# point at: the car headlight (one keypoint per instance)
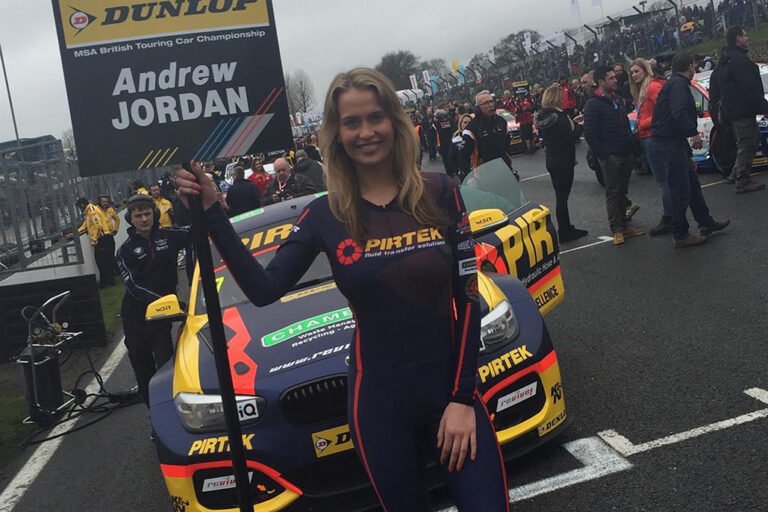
(498, 325)
(205, 413)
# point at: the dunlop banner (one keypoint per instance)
(157, 83)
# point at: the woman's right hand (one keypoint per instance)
(195, 183)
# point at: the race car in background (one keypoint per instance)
(290, 361)
(706, 158)
(516, 143)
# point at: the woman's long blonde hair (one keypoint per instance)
(638, 90)
(344, 195)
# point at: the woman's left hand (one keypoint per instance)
(457, 434)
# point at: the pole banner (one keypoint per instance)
(156, 83)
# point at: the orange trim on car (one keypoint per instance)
(174, 471)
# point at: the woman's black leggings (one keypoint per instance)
(562, 180)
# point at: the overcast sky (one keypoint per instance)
(321, 36)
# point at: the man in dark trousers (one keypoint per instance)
(607, 131)
(445, 129)
(485, 137)
(742, 98)
(243, 196)
(147, 262)
(310, 168)
(674, 121)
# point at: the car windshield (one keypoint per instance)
(492, 185)
(263, 242)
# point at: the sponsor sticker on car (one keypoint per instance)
(221, 483)
(517, 396)
(332, 441)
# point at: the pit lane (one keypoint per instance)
(653, 342)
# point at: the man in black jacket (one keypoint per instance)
(674, 121)
(310, 169)
(742, 99)
(606, 129)
(243, 196)
(147, 262)
(485, 137)
(287, 185)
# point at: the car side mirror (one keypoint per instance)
(482, 221)
(165, 308)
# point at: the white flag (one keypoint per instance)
(425, 76)
(527, 45)
(414, 82)
(575, 10)
(492, 56)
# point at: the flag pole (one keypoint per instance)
(220, 355)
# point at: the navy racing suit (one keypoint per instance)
(413, 293)
(148, 268)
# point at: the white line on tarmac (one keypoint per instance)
(598, 458)
(603, 240)
(534, 177)
(725, 181)
(625, 447)
(44, 452)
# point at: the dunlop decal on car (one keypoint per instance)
(332, 441)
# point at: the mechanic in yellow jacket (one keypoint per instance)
(99, 229)
(164, 205)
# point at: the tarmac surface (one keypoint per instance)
(657, 347)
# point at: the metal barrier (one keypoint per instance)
(39, 184)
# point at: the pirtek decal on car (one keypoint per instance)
(217, 445)
(263, 238)
(503, 363)
(301, 328)
(332, 441)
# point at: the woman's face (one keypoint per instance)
(365, 130)
(464, 123)
(637, 74)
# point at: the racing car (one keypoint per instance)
(706, 158)
(289, 364)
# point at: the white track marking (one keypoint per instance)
(26, 476)
(534, 177)
(625, 447)
(724, 181)
(603, 240)
(598, 458)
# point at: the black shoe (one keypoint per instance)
(664, 228)
(569, 235)
(715, 226)
(631, 211)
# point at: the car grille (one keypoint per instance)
(316, 402)
(522, 411)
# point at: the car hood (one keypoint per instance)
(303, 328)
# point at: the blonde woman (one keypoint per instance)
(457, 144)
(560, 135)
(414, 354)
(645, 89)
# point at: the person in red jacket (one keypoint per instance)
(645, 88)
(524, 117)
(569, 97)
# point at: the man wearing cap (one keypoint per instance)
(147, 262)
